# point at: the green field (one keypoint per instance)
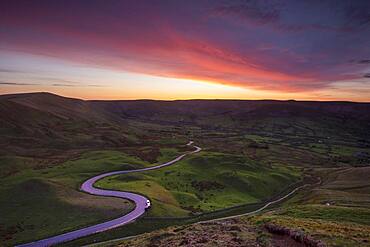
(36, 203)
(341, 223)
(329, 213)
(336, 211)
(204, 182)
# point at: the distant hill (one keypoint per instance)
(44, 120)
(268, 115)
(39, 119)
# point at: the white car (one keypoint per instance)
(147, 204)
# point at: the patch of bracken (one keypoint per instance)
(156, 238)
(298, 236)
(206, 185)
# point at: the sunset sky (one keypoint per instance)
(304, 50)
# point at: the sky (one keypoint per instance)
(267, 49)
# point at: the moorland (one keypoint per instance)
(252, 152)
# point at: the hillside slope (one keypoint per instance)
(47, 115)
(252, 150)
(43, 120)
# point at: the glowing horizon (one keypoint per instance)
(220, 49)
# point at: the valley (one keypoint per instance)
(252, 152)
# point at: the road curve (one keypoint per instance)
(88, 186)
(212, 220)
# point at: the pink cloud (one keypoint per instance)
(150, 39)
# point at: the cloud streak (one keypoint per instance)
(299, 16)
(71, 85)
(17, 83)
(290, 47)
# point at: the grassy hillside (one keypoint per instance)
(255, 231)
(284, 117)
(304, 220)
(205, 182)
(43, 116)
(39, 202)
(348, 187)
(252, 151)
(337, 211)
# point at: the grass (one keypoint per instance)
(47, 200)
(223, 176)
(11, 164)
(205, 182)
(337, 224)
(259, 138)
(344, 222)
(329, 213)
(349, 187)
(331, 232)
(45, 209)
(250, 154)
(148, 224)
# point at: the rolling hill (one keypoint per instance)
(44, 119)
(253, 150)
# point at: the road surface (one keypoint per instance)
(88, 186)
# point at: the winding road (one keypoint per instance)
(88, 186)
